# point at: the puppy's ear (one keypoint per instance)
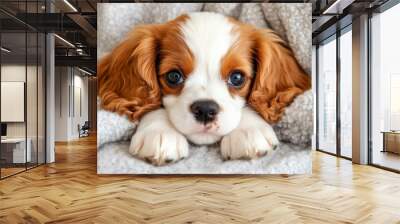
(278, 77)
(127, 76)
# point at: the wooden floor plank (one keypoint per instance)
(70, 191)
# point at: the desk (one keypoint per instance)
(13, 150)
(391, 141)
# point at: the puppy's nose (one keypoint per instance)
(204, 111)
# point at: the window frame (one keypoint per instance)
(334, 37)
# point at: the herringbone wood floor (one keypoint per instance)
(70, 191)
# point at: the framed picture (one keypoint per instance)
(204, 88)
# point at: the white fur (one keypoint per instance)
(253, 138)
(209, 37)
(157, 141)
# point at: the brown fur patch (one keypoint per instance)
(174, 55)
(128, 82)
(278, 76)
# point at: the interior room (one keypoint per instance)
(22, 100)
(28, 56)
(49, 102)
(333, 53)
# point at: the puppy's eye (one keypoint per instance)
(174, 78)
(236, 79)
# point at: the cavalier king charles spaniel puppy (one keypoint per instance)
(202, 78)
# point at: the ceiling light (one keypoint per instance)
(65, 41)
(5, 50)
(337, 7)
(80, 51)
(333, 6)
(84, 71)
(70, 5)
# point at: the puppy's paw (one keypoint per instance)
(159, 147)
(249, 143)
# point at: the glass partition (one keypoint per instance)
(13, 94)
(327, 96)
(41, 97)
(22, 78)
(346, 93)
(31, 98)
(385, 89)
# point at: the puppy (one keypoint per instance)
(201, 78)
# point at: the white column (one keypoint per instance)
(50, 99)
(360, 90)
(50, 92)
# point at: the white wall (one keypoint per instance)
(62, 81)
(12, 100)
(70, 83)
(80, 84)
(12, 73)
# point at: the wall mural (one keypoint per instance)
(204, 88)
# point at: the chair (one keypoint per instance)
(84, 130)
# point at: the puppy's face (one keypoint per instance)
(203, 68)
(205, 74)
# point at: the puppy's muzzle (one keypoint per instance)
(204, 111)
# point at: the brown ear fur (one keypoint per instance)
(279, 77)
(127, 76)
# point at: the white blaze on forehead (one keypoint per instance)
(209, 37)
